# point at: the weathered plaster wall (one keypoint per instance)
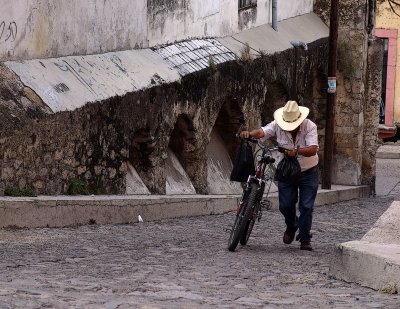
(95, 142)
(32, 29)
(356, 127)
(45, 28)
(169, 22)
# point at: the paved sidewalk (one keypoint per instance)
(184, 263)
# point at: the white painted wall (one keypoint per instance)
(44, 28)
(47, 28)
(202, 18)
(291, 8)
(217, 18)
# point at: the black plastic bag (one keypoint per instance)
(244, 163)
(288, 170)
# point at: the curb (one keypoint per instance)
(388, 152)
(374, 261)
(63, 211)
(369, 264)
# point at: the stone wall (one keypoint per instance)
(371, 110)
(356, 119)
(95, 143)
(31, 29)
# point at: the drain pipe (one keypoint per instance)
(275, 15)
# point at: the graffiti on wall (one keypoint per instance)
(79, 71)
(8, 32)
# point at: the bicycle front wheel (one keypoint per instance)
(255, 206)
(242, 219)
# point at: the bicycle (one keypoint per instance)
(251, 202)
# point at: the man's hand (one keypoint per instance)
(244, 134)
(281, 149)
(257, 134)
(290, 152)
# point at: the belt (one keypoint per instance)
(310, 169)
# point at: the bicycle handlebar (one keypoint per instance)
(257, 141)
(251, 139)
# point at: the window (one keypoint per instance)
(384, 79)
(388, 78)
(247, 3)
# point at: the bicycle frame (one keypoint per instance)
(250, 205)
(261, 177)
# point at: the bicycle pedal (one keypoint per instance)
(266, 205)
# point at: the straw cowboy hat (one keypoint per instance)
(290, 116)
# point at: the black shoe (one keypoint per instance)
(306, 245)
(288, 236)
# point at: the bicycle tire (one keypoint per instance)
(250, 223)
(242, 219)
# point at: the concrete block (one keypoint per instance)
(374, 261)
(370, 264)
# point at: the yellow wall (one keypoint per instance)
(386, 19)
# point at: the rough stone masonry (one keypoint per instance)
(44, 152)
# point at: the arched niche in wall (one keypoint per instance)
(229, 121)
(142, 148)
(181, 152)
(222, 148)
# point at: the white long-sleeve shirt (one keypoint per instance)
(307, 135)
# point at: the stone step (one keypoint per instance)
(374, 261)
(61, 211)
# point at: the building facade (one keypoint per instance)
(31, 29)
(388, 29)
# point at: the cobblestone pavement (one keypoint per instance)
(184, 263)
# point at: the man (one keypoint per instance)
(298, 137)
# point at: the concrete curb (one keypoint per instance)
(374, 261)
(369, 264)
(388, 152)
(61, 211)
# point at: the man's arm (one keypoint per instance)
(305, 151)
(257, 133)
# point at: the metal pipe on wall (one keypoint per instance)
(275, 15)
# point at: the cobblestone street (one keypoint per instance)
(184, 263)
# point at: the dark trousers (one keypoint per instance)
(304, 191)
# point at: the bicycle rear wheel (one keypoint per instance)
(242, 219)
(255, 205)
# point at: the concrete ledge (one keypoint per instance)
(388, 152)
(374, 261)
(370, 264)
(65, 211)
(60, 211)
